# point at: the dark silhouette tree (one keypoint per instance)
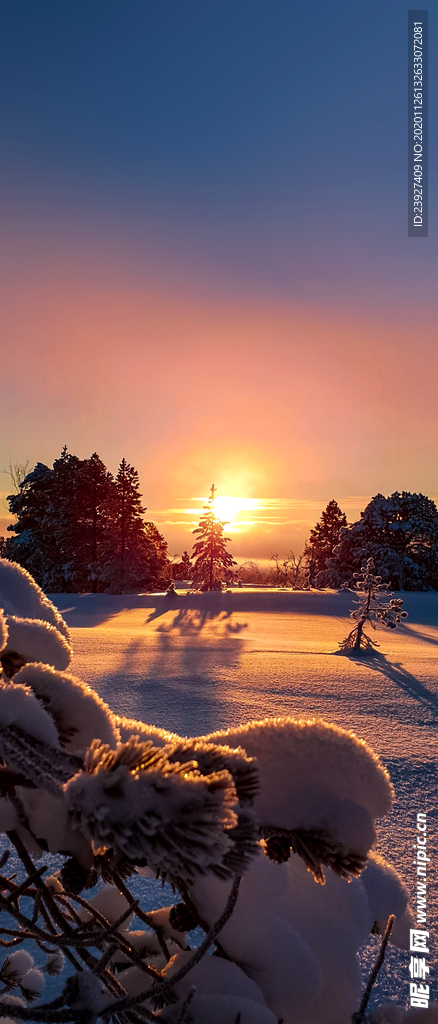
(136, 553)
(91, 521)
(212, 562)
(78, 529)
(158, 559)
(324, 538)
(186, 566)
(33, 544)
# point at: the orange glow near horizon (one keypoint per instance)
(263, 395)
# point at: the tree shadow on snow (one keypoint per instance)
(191, 620)
(188, 705)
(84, 611)
(193, 611)
(186, 661)
(397, 674)
(416, 634)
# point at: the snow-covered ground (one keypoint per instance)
(197, 663)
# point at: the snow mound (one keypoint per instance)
(109, 902)
(8, 815)
(20, 707)
(20, 595)
(78, 712)
(50, 823)
(160, 918)
(391, 1014)
(36, 640)
(296, 930)
(222, 1010)
(387, 894)
(212, 976)
(85, 992)
(429, 1016)
(311, 760)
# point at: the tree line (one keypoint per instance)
(78, 528)
(399, 532)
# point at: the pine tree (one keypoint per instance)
(43, 536)
(400, 533)
(63, 526)
(78, 529)
(375, 605)
(158, 559)
(212, 561)
(186, 566)
(91, 519)
(136, 553)
(129, 521)
(324, 537)
(28, 544)
(60, 522)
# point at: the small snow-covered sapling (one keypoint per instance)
(374, 604)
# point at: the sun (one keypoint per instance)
(226, 508)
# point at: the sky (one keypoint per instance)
(204, 261)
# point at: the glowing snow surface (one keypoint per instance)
(197, 663)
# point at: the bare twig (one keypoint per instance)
(182, 1016)
(359, 1016)
(143, 916)
(18, 890)
(111, 930)
(4, 857)
(164, 987)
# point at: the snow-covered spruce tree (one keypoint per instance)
(135, 554)
(158, 559)
(62, 517)
(92, 520)
(243, 822)
(400, 533)
(375, 604)
(78, 529)
(212, 563)
(324, 537)
(31, 544)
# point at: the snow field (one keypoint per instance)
(198, 664)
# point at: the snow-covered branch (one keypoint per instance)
(241, 823)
